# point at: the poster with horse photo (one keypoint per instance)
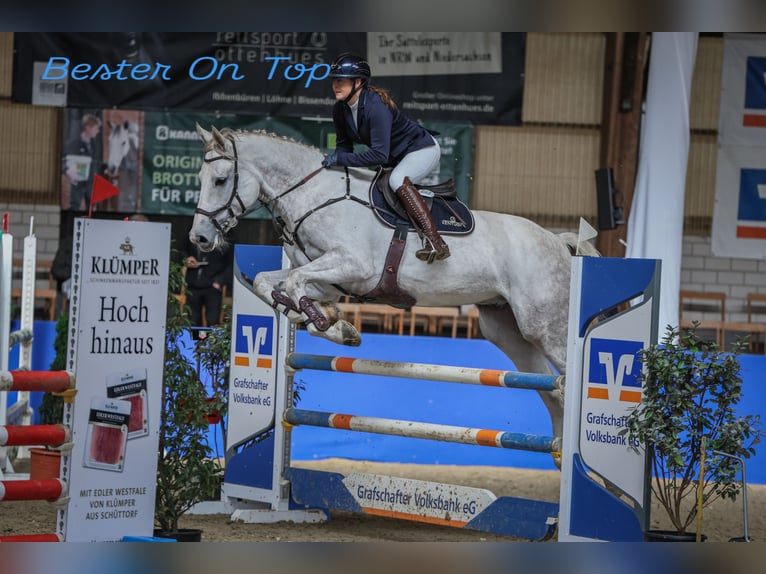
(104, 142)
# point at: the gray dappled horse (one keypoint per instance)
(516, 272)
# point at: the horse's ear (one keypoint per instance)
(219, 139)
(203, 134)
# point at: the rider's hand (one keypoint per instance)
(330, 160)
(191, 262)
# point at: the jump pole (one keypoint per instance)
(256, 492)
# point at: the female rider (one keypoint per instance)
(367, 114)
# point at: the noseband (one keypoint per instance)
(227, 207)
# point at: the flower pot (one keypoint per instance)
(44, 463)
(212, 415)
(671, 536)
(181, 535)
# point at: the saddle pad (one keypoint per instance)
(443, 210)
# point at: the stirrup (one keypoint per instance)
(429, 253)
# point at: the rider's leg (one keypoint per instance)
(413, 167)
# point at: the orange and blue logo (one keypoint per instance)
(755, 93)
(751, 211)
(253, 343)
(614, 368)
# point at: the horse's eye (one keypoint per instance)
(220, 181)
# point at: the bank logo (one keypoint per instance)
(614, 369)
(253, 341)
(755, 93)
(751, 210)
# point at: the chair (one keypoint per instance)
(698, 306)
(469, 320)
(432, 319)
(756, 305)
(387, 319)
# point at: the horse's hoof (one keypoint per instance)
(351, 337)
(353, 342)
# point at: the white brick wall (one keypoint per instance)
(701, 271)
(47, 219)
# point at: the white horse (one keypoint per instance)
(123, 138)
(516, 272)
(122, 162)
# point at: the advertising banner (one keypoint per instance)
(739, 216)
(438, 76)
(154, 157)
(118, 307)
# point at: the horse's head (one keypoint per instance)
(122, 137)
(225, 191)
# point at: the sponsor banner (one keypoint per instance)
(420, 500)
(253, 373)
(611, 389)
(438, 76)
(743, 91)
(739, 215)
(118, 307)
(166, 180)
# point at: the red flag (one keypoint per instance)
(102, 189)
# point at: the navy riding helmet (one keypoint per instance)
(350, 66)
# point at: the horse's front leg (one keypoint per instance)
(267, 284)
(305, 282)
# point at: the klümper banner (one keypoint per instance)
(439, 76)
(118, 307)
(739, 216)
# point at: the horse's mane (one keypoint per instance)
(230, 133)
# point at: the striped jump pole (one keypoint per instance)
(423, 371)
(51, 537)
(32, 435)
(444, 433)
(20, 336)
(45, 489)
(46, 381)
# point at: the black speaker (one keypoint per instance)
(609, 213)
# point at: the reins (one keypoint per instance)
(289, 237)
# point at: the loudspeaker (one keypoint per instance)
(609, 214)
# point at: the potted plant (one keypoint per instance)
(45, 462)
(690, 390)
(186, 471)
(213, 353)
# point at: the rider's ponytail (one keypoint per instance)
(384, 95)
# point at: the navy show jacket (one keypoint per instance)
(389, 134)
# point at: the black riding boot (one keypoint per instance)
(417, 209)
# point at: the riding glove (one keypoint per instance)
(330, 160)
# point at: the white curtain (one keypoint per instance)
(655, 225)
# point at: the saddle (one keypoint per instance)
(450, 214)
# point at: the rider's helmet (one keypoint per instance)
(350, 66)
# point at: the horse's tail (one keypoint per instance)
(586, 247)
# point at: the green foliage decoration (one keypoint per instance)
(690, 390)
(187, 473)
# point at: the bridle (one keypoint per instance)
(227, 207)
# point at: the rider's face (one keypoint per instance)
(342, 87)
